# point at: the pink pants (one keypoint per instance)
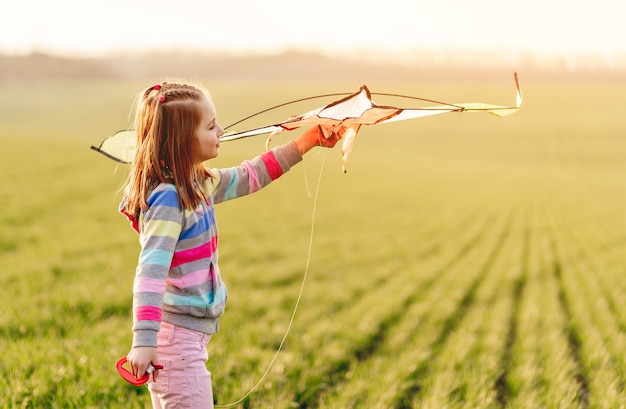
(184, 381)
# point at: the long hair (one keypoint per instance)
(167, 116)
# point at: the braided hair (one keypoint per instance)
(167, 116)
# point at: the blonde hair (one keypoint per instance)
(167, 116)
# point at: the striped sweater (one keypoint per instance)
(177, 278)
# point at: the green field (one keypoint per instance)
(464, 261)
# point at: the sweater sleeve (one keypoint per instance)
(160, 227)
(253, 175)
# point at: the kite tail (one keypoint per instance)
(269, 138)
(348, 142)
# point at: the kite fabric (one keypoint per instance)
(352, 111)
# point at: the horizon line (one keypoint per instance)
(470, 57)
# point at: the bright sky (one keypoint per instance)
(95, 27)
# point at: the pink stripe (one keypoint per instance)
(188, 280)
(149, 285)
(197, 253)
(272, 165)
(148, 313)
(253, 180)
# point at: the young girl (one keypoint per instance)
(179, 294)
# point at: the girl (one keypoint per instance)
(169, 199)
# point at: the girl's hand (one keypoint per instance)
(139, 358)
(331, 135)
(322, 135)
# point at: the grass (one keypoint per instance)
(464, 261)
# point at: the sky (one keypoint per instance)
(352, 27)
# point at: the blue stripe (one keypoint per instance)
(194, 231)
(200, 227)
(209, 299)
(231, 190)
(156, 257)
(167, 197)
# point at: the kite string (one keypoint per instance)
(297, 304)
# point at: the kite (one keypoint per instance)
(352, 111)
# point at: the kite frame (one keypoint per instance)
(444, 107)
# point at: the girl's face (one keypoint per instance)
(208, 132)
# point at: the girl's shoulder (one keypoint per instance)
(162, 187)
(163, 194)
(212, 181)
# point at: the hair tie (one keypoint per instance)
(157, 87)
(161, 98)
